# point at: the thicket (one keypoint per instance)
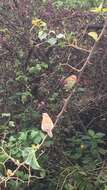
(53, 60)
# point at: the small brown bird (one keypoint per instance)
(47, 124)
(70, 82)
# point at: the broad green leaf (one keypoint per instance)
(42, 35)
(100, 135)
(25, 96)
(22, 175)
(23, 136)
(3, 157)
(35, 70)
(30, 158)
(52, 41)
(35, 135)
(94, 35)
(61, 44)
(91, 132)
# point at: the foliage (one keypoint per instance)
(75, 3)
(86, 159)
(38, 48)
(19, 151)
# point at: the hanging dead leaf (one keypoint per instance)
(47, 124)
(70, 82)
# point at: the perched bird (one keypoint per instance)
(47, 124)
(70, 82)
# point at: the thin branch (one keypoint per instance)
(77, 47)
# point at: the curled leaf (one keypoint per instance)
(47, 124)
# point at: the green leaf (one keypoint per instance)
(35, 135)
(30, 158)
(100, 135)
(91, 132)
(12, 139)
(52, 41)
(3, 157)
(21, 78)
(25, 96)
(22, 175)
(35, 70)
(44, 66)
(68, 186)
(42, 35)
(23, 136)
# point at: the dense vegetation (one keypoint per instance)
(53, 60)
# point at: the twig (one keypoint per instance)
(90, 123)
(4, 53)
(77, 47)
